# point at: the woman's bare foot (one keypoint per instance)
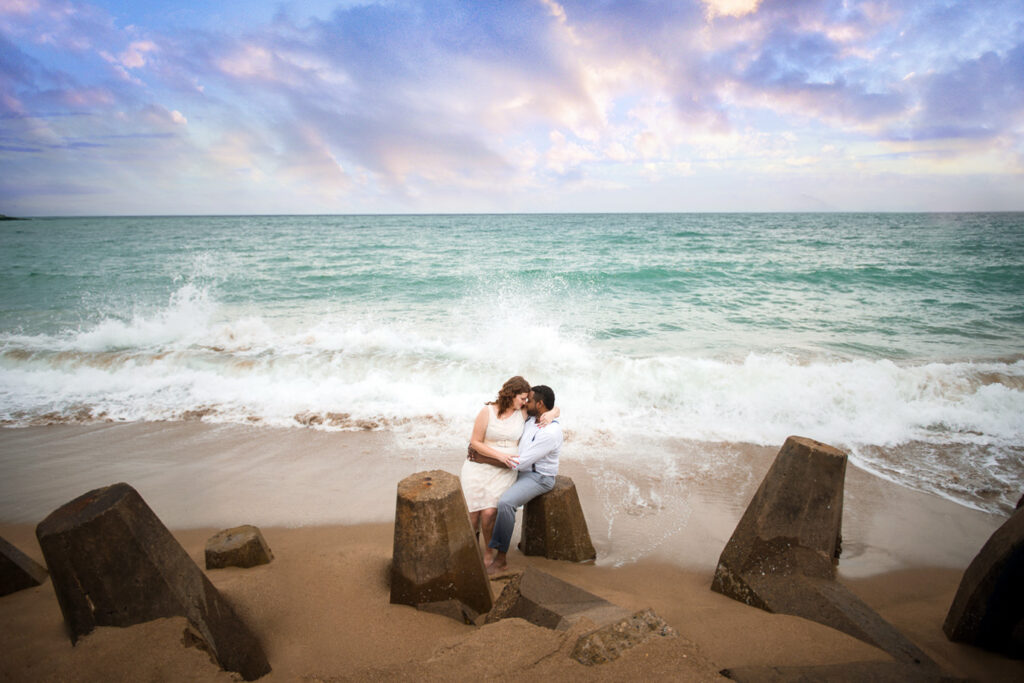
(497, 564)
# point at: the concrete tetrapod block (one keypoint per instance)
(547, 601)
(988, 610)
(793, 525)
(554, 526)
(435, 556)
(240, 546)
(608, 642)
(781, 557)
(18, 571)
(544, 600)
(453, 609)
(828, 602)
(113, 563)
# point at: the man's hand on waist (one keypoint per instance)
(477, 456)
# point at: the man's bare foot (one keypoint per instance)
(495, 568)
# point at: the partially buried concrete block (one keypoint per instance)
(240, 546)
(608, 642)
(828, 602)
(781, 557)
(554, 526)
(435, 555)
(114, 563)
(988, 610)
(18, 571)
(547, 601)
(794, 522)
(451, 608)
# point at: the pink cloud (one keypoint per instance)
(135, 56)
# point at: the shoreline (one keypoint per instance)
(683, 511)
(321, 606)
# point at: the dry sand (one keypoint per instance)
(321, 607)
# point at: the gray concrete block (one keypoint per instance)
(435, 555)
(988, 610)
(240, 546)
(18, 571)
(554, 526)
(114, 563)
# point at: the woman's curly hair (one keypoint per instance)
(509, 390)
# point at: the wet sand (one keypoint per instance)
(325, 502)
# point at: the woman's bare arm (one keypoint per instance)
(544, 419)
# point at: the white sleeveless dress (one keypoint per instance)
(483, 484)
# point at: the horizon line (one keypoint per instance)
(8, 217)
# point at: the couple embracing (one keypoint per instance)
(513, 458)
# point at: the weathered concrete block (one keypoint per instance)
(781, 557)
(793, 524)
(828, 602)
(988, 610)
(547, 601)
(435, 555)
(554, 526)
(113, 563)
(240, 546)
(18, 571)
(453, 609)
(610, 641)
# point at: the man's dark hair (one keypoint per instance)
(545, 394)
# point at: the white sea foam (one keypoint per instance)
(185, 320)
(426, 380)
(193, 355)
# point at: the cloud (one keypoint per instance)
(798, 61)
(22, 7)
(17, 70)
(398, 104)
(730, 8)
(980, 97)
(62, 24)
(135, 56)
(564, 155)
(408, 97)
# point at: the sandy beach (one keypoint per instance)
(321, 607)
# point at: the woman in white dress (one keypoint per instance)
(496, 433)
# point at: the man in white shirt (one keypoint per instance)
(539, 449)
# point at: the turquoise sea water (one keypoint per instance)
(898, 337)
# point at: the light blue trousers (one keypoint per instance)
(528, 486)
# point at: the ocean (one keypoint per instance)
(896, 337)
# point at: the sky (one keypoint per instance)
(137, 107)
